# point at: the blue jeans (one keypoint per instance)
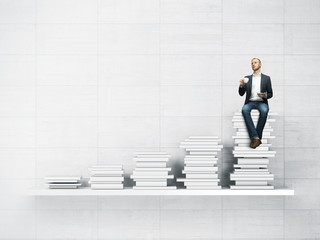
(263, 108)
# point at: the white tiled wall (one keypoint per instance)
(85, 82)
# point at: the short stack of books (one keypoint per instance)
(200, 165)
(251, 170)
(151, 171)
(63, 182)
(106, 177)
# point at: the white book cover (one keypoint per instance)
(64, 185)
(240, 175)
(204, 137)
(152, 184)
(107, 187)
(110, 166)
(150, 180)
(252, 183)
(201, 175)
(201, 141)
(193, 164)
(204, 153)
(200, 169)
(248, 162)
(197, 180)
(106, 179)
(251, 173)
(269, 187)
(251, 170)
(197, 143)
(150, 153)
(203, 188)
(136, 177)
(251, 178)
(201, 157)
(150, 173)
(150, 159)
(62, 181)
(187, 183)
(138, 169)
(200, 172)
(155, 188)
(63, 178)
(152, 156)
(198, 149)
(250, 166)
(151, 164)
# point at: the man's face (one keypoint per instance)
(255, 64)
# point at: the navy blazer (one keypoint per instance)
(265, 86)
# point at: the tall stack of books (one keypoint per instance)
(251, 170)
(63, 182)
(200, 165)
(106, 177)
(151, 171)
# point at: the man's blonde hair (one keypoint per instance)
(257, 59)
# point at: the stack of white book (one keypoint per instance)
(151, 171)
(251, 170)
(106, 177)
(200, 165)
(63, 182)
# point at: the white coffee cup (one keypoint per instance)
(245, 79)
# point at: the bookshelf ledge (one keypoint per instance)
(178, 192)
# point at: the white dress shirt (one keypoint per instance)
(256, 82)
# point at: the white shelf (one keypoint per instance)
(177, 192)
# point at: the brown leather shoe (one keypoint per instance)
(255, 143)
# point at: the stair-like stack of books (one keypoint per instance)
(63, 182)
(251, 170)
(201, 164)
(151, 171)
(106, 177)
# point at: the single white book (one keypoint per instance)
(151, 164)
(252, 183)
(151, 184)
(145, 169)
(136, 177)
(250, 166)
(238, 170)
(154, 188)
(106, 186)
(203, 188)
(200, 169)
(204, 153)
(269, 187)
(63, 178)
(197, 180)
(201, 175)
(150, 159)
(150, 173)
(106, 179)
(187, 183)
(235, 178)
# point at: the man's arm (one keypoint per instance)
(242, 89)
(269, 89)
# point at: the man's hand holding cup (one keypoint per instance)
(243, 81)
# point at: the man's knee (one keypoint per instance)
(245, 109)
(264, 109)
